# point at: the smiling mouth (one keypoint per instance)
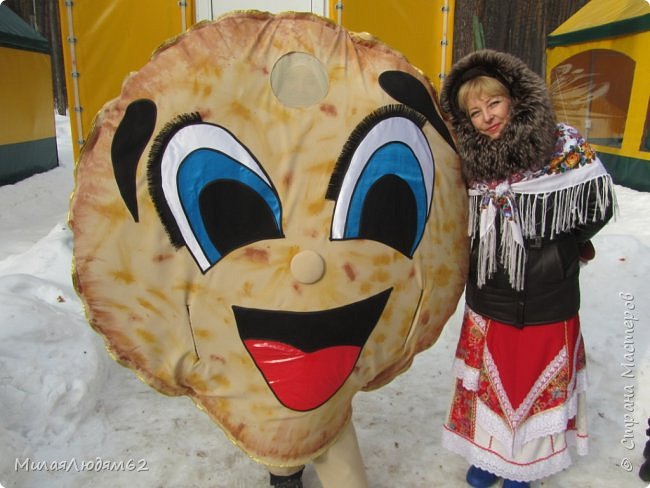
(305, 357)
(493, 132)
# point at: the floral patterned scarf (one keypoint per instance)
(573, 173)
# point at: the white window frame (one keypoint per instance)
(209, 9)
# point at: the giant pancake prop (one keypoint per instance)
(268, 219)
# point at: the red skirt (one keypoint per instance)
(519, 400)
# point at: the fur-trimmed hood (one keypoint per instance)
(529, 138)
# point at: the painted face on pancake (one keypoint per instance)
(269, 219)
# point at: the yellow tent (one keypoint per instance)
(421, 30)
(104, 42)
(598, 69)
(27, 129)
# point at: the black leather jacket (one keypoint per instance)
(530, 139)
(551, 289)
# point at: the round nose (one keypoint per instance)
(307, 267)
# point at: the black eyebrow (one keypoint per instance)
(357, 135)
(407, 89)
(131, 137)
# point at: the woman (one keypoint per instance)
(537, 193)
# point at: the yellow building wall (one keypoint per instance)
(420, 29)
(26, 96)
(634, 46)
(103, 41)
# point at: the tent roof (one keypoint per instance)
(600, 19)
(16, 33)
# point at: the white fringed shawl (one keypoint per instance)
(566, 183)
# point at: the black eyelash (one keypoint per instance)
(357, 135)
(154, 175)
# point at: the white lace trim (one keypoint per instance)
(546, 423)
(469, 375)
(543, 424)
(515, 417)
(477, 319)
(494, 425)
(518, 429)
(470, 378)
(498, 464)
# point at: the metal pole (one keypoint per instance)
(183, 5)
(444, 42)
(75, 74)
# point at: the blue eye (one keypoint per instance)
(385, 194)
(217, 193)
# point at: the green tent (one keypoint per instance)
(27, 128)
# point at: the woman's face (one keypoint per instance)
(489, 114)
